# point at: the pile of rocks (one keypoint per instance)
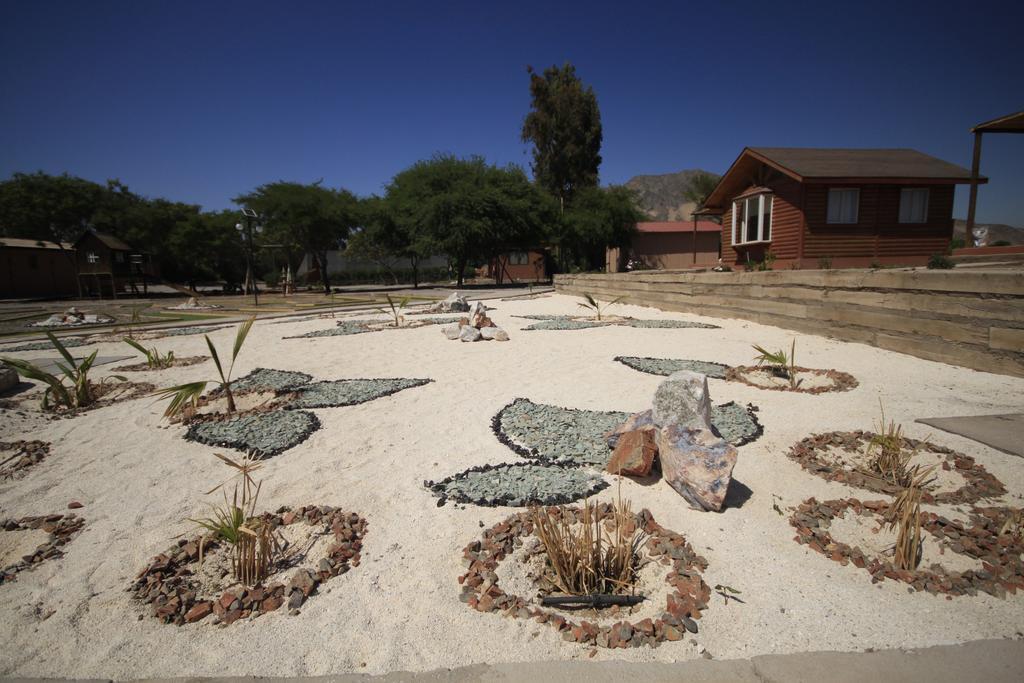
(455, 303)
(475, 327)
(18, 456)
(73, 318)
(683, 604)
(62, 528)
(986, 539)
(677, 430)
(169, 584)
(809, 452)
(193, 304)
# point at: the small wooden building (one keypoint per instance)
(835, 208)
(669, 244)
(36, 269)
(527, 265)
(108, 265)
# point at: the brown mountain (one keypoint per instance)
(663, 197)
(997, 232)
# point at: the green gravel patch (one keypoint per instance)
(263, 434)
(518, 485)
(264, 379)
(667, 366)
(68, 342)
(349, 392)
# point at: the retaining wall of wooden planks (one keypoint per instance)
(973, 319)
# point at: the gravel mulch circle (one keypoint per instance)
(265, 379)
(68, 342)
(517, 485)
(999, 553)
(16, 457)
(178, 363)
(566, 322)
(666, 324)
(61, 529)
(347, 392)
(179, 332)
(261, 433)
(811, 451)
(666, 366)
(575, 436)
(689, 595)
(813, 381)
(168, 584)
(347, 327)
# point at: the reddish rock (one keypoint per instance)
(634, 452)
(227, 599)
(697, 464)
(199, 611)
(74, 505)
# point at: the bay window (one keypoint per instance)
(752, 219)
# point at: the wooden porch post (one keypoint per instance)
(975, 164)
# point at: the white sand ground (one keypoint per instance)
(138, 481)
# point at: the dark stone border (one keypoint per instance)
(166, 584)
(194, 423)
(980, 483)
(438, 487)
(625, 361)
(62, 530)
(1002, 570)
(29, 454)
(183, 362)
(684, 604)
(841, 381)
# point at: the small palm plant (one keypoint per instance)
(154, 359)
(592, 304)
(235, 523)
(396, 308)
(77, 392)
(135, 320)
(185, 395)
(778, 362)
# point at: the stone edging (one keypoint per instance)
(841, 381)
(29, 454)
(168, 586)
(980, 483)
(1002, 570)
(62, 529)
(481, 592)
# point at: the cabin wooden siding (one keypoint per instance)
(785, 228)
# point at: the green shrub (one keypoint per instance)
(940, 262)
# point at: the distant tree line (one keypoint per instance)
(464, 208)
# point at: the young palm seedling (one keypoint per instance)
(154, 359)
(396, 309)
(887, 456)
(779, 363)
(235, 523)
(185, 395)
(904, 516)
(592, 304)
(73, 390)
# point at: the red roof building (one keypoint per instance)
(668, 245)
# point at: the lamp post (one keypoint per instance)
(247, 230)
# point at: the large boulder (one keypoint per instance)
(469, 334)
(478, 316)
(634, 453)
(8, 377)
(455, 303)
(683, 399)
(696, 463)
(495, 333)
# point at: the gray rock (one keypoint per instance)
(477, 312)
(8, 377)
(696, 463)
(451, 331)
(455, 303)
(683, 400)
(495, 333)
(469, 334)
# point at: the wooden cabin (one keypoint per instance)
(36, 269)
(667, 245)
(108, 265)
(835, 208)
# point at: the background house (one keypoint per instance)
(108, 265)
(36, 269)
(836, 207)
(669, 244)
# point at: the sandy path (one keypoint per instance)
(399, 609)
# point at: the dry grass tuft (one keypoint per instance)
(886, 453)
(594, 555)
(904, 516)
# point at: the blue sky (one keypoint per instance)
(201, 101)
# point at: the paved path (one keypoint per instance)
(1002, 432)
(990, 661)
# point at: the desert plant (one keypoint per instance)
(235, 523)
(396, 308)
(590, 558)
(154, 359)
(887, 453)
(78, 392)
(825, 263)
(940, 262)
(904, 516)
(1014, 524)
(134, 321)
(184, 395)
(592, 304)
(780, 364)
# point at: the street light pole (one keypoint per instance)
(250, 273)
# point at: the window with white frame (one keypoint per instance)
(752, 219)
(914, 205)
(843, 204)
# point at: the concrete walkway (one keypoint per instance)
(990, 661)
(1002, 432)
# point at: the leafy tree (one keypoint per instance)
(564, 125)
(391, 230)
(599, 218)
(701, 185)
(316, 218)
(204, 246)
(467, 209)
